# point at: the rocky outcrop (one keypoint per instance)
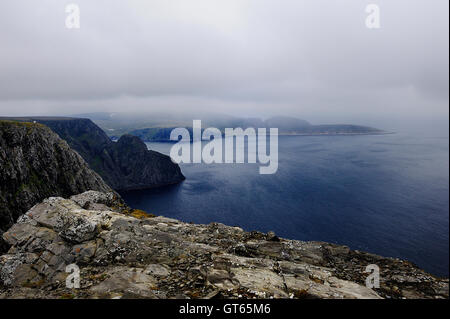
(140, 168)
(124, 165)
(123, 253)
(35, 164)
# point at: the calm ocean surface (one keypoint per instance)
(386, 194)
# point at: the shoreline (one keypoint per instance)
(115, 138)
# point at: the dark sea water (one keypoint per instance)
(385, 194)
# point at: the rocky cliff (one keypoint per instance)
(124, 253)
(124, 165)
(35, 164)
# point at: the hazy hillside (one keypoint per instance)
(157, 126)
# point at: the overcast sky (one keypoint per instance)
(314, 59)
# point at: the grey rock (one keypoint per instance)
(36, 164)
(157, 270)
(126, 281)
(121, 256)
(272, 237)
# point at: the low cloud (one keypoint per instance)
(313, 59)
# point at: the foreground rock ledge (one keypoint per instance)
(127, 254)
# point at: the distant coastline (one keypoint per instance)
(335, 134)
(156, 127)
(115, 138)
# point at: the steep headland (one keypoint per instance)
(122, 253)
(35, 164)
(124, 165)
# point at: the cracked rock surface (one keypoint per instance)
(123, 253)
(36, 164)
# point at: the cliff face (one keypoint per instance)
(123, 253)
(141, 168)
(35, 164)
(124, 165)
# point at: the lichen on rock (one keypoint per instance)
(36, 164)
(121, 256)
